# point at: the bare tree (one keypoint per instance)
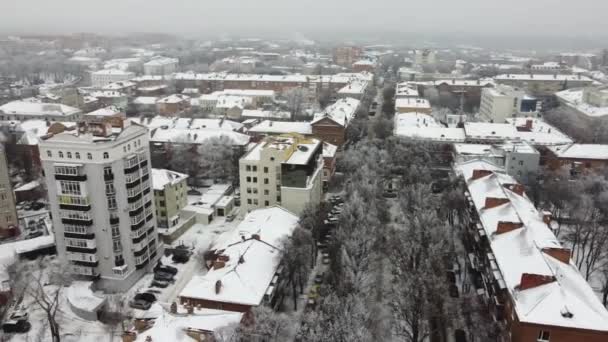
(262, 324)
(296, 254)
(295, 100)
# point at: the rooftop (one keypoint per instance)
(280, 127)
(419, 103)
(113, 72)
(425, 127)
(581, 151)
(341, 112)
(543, 77)
(163, 177)
(38, 109)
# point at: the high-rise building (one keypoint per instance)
(284, 170)
(99, 187)
(8, 214)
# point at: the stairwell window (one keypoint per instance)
(106, 155)
(543, 336)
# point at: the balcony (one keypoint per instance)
(80, 203)
(136, 240)
(135, 234)
(84, 236)
(88, 271)
(81, 249)
(75, 178)
(81, 257)
(108, 177)
(77, 221)
(136, 212)
(141, 261)
(140, 249)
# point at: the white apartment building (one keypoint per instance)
(519, 159)
(503, 102)
(99, 189)
(8, 214)
(286, 170)
(104, 77)
(425, 56)
(161, 66)
(596, 96)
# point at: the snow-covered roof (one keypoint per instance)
(541, 132)
(341, 112)
(354, 87)
(174, 98)
(519, 251)
(267, 114)
(581, 151)
(251, 264)
(424, 127)
(164, 122)
(303, 152)
(38, 109)
(195, 136)
(489, 131)
(28, 186)
(107, 111)
(407, 102)
(542, 77)
(329, 150)
(574, 98)
(280, 127)
(114, 72)
(160, 61)
(118, 85)
(163, 177)
(145, 100)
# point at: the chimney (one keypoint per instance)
(129, 336)
(516, 188)
(529, 124)
(480, 174)
(218, 286)
(148, 338)
(218, 264)
(505, 227)
(256, 236)
(493, 202)
(561, 254)
(529, 280)
(190, 308)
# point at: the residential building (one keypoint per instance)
(244, 267)
(104, 77)
(425, 57)
(284, 170)
(347, 55)
(21, 111)
(330, 125)
(162, 66)
(406, 90)
(364, 65)
(329, 162)
(503, 102)
(467, 91)
(579, 157)
(173, 105)
(548, 67)
(596, 96)
(588, 103)
(170, 196)
(98, 179)
(521, 271)
(424, 127)
(519, 159)
(543, 84)
(534, 131)
(8, 213)
(355, 89)
(412, 105)
(273, 128)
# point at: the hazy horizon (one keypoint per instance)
(535, 18)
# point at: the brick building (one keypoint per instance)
(579, 157)
(330, 125)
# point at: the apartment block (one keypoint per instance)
(99, 188)
(8, 214)
(286, 170)
(170, 196)
(503, 102)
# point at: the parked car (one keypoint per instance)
(148, 297)
(159, 283)
(21, 326)
(230, 218)
(19, 314)
(180, 258)
(37, 205)
(166, 268)
(162, 276)
(34, 234)
(460, 336)
(140, 304)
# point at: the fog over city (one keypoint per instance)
(514, 17)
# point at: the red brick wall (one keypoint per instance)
(332, 134)
(209, 304)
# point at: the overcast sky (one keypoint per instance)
(508, 17)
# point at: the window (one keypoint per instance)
(543, 336)
(255, 202)
(106, 155)
(60, 154)
(111, 202)
(248, 179)
(70, 188)
(249, 201)
(255, 179)
(77, 154)
(115, 230)
(266, 192)
(70, 155)
(163, 213)
(248, 168)
(278, 198)
(266, 203)
(255, 190)
(162, 203)
(271, 158)
(265, 180)
(248, 190)
(116, 246)
(265, 169)
(254, 168)
(49, 154)
(521, 163)
(66, 170)
(89, 156)
(107, 170)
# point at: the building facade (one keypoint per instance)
(170, 196)
(503, 102)
(101, 202)
(8, 213)
(284, 170)
(102, 78)
(161, 66)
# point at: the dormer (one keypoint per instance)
(516, 188)
(530, 280)
(559, 253)
(479, 173)
(505, 227)
(493, 202)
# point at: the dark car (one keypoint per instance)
(166, 269)
(159, 283)
(140, 304)
(37, 205)
(34, 234)
(180, 258)
(162, 276)
(460, 335)
(20, 326)
(148, 297)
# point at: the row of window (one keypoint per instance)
(70, 188)
(74, 228)
(254, 168)
(66, 170)
(74, 215)
(255, 201)
(77, 243)
(76, 155)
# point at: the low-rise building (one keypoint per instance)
(424, 127)
(503, 102)
(8, 213)
(579, 157)
(21, 111)
(364, 65)
(173, 105)
(273, 128)
(519, 159)
(520, 269)
(329, 162)
(170, 196)
(284, 170)
(104, 77)
(243, 267)
(161, 66)
(412, 105)
(424, 57)
(330, 125)
(543, 84)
